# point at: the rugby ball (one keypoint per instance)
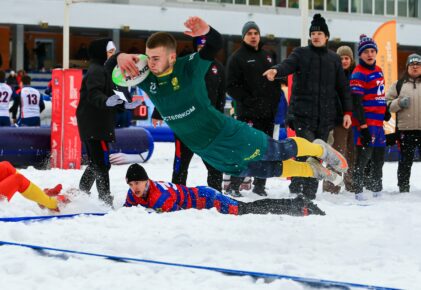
(127, 81)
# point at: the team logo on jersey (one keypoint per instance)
(152, 88)
(269, 58)
(380, 87)
(254, 155)
(175, 84)
(214, 70)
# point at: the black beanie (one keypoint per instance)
(249, 25)
(97, 50)
(319, 24)
(136, 172)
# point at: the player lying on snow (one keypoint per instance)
(12, 181)
(166, 197)
(177, 88)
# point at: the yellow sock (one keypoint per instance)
(36, 194)
(292, 168)
(306, 148)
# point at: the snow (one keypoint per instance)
(375, 242)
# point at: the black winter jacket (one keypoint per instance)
(215, 85)
(256, 97)
(96, 121)
(320, 88)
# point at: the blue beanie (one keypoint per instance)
(366, 42)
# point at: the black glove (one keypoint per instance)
(365, 137)
(387, 114)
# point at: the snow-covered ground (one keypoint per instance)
(375, 242)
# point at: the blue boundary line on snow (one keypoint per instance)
(47, 217)
(312, 281)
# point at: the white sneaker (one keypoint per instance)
(322, 173)
(332, 157)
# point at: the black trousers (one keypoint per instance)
(409, 142)
(290, 206)
(375, 157)
(264, 125)
(306, 185)
(97, 169)
(182, 158)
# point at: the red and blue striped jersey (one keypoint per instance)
(166, 197)
(369, 85)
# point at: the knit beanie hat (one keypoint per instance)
(319, 24)
(345, 50)
(249, 25)
(413, 58)
(136, 172)
(366, 42)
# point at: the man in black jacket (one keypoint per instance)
(256, 98)
(320, 90)
(96, 119)
(215, 85)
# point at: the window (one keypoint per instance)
(413, 8)
(267, 2)
(293, 4)
(379, 8)
(390, 7)
(402, 8)
(331, 5)
(240, 2)
(343, 6)
(254, 2)
(281, 3)
(368, 6)
(318, 4)
(356, 6)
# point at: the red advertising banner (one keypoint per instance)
(66, 149)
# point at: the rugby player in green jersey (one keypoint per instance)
(177, 88)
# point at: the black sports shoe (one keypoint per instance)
(260, 190)
(313, 209)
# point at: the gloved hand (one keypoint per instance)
(365, 137)
(113, 101)
(132, 105)
(122, 158)
(404, 102)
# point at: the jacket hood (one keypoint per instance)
(98, 50)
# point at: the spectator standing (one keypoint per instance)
(368, 93)
(320, 89)
(96, 121)
(82, 52)
(406, 103)
(12, 80)
(30, 104)
(343, 139)
(41, 53)
(6, 94)
(256, 98)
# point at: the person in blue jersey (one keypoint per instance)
(368, 93)
(167, 197)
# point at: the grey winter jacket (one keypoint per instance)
(408, 118)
